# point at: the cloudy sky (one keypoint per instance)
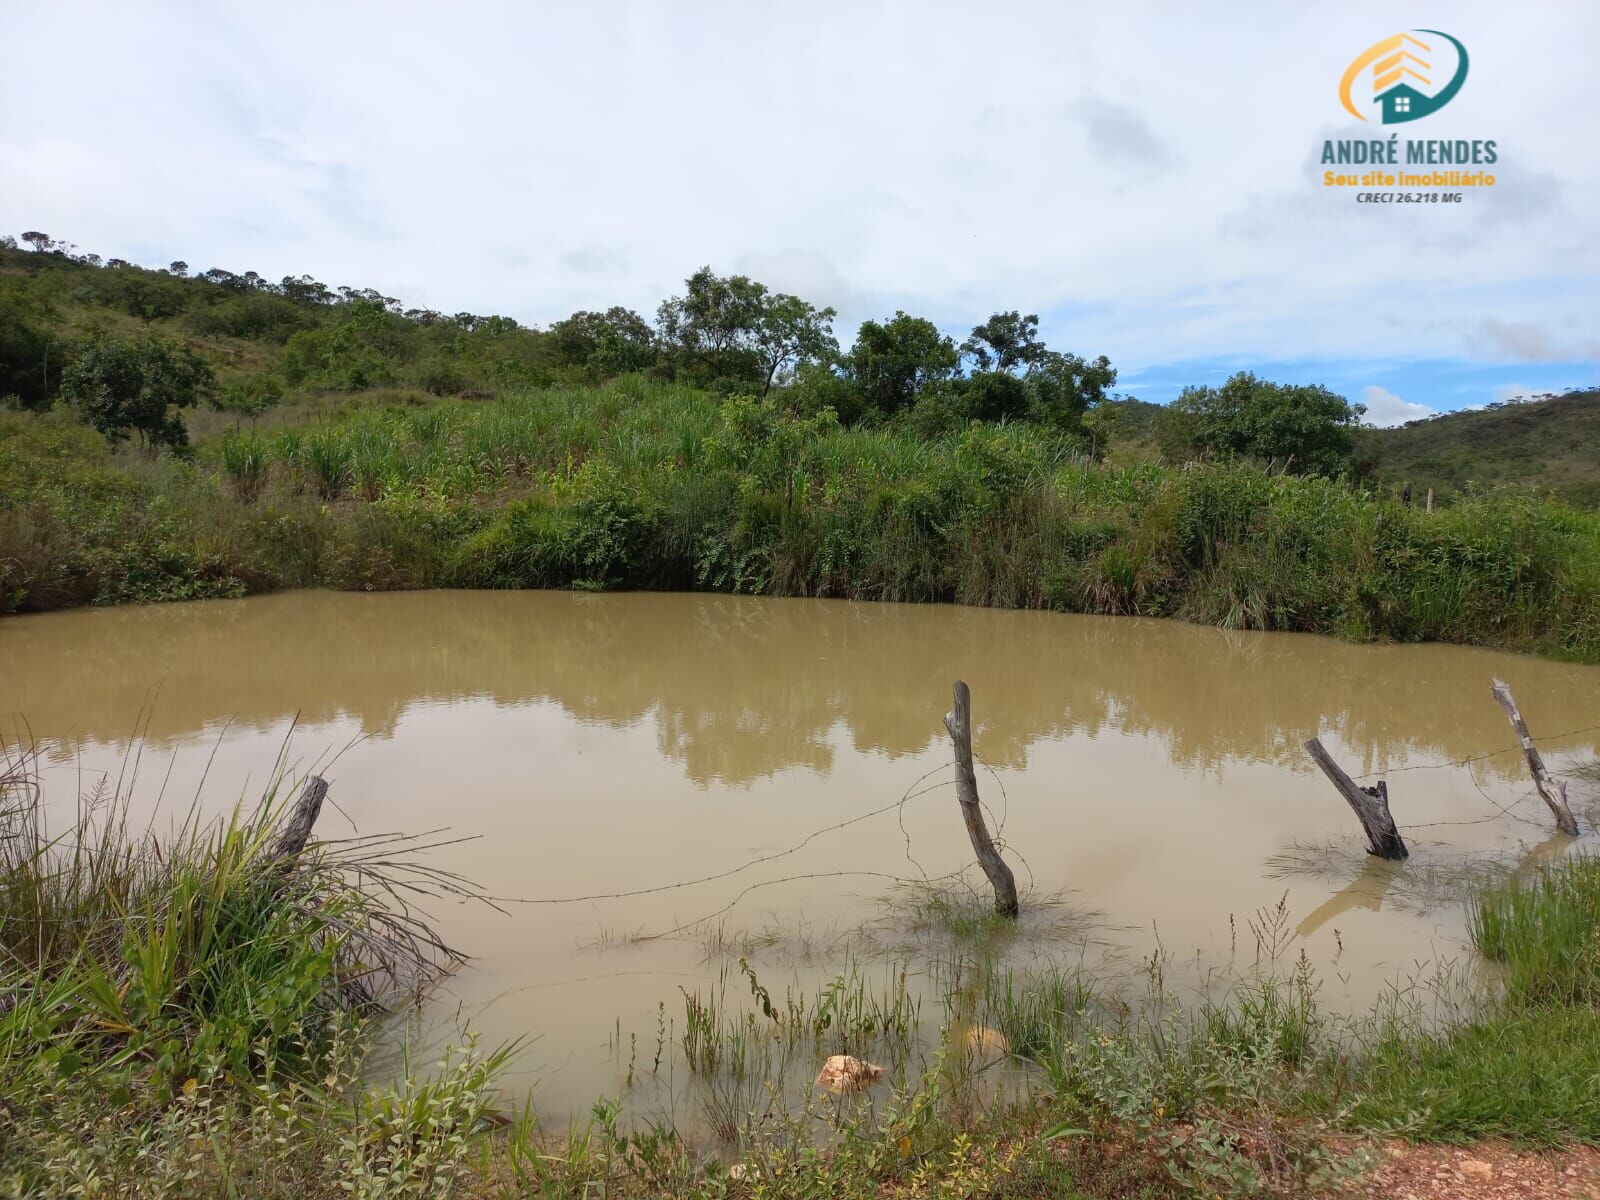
(1144, 177)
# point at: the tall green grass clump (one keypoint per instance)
(245, 460)
(1544, 934)
(1524, 1064)
(326, 456)
(207, 985)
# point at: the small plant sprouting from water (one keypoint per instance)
(1272, 930)
(702, 1044)
(661, 1036)
(846, 1016)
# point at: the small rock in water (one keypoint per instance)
(987, 1045)
(842, 1074)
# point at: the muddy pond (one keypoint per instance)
(1148, 778)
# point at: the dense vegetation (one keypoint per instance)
(643, 484)
(127, 334)
(330, 438)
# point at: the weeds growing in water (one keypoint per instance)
(1544, 934)
(846, 1016)
(191, 1019)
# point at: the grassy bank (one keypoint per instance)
(189, 1015)
(641, 484)
(195, 1017)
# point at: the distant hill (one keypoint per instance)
(1124, 427)
(324, 342)
(1552, 443)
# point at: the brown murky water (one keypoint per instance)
(1150, 772)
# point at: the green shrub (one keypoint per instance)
(246, 460)
(326, 457)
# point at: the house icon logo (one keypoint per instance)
(1402, 66)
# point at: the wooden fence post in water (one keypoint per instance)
(1553, 790)
(296, 829)
(1371, 805)
(959, 723)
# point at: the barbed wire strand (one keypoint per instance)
(1462, 762)
(909, 794)
(743, 892)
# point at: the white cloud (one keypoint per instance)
(1144, 180)
(1385, 409)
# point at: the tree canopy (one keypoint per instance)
(731, 330)
(136, 386)
(1307, 428)
(893, 361)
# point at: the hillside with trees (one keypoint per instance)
(108, 336)
(157, 356)
(1549, 442)
(174, 435)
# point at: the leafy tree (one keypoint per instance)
(24, 351)
(259, 317)
(136, 386)
(1005, 342)
(706, 331)
(468, 322)
(734, 330)
(1255, 418)
(893, 361)
(609, 343)
(179, 268)
(39, 241)
(7, 242)
(995, 396)
(249, 397)
(790, 332)
(149, 296)
(305, 290)
(363, 348)
(1064, 388)
(218, 277)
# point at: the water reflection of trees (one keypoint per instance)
(738, 688)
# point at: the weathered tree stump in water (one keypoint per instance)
(292, 838)
(1371, 805)
(959, 723)
(1551, 789)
